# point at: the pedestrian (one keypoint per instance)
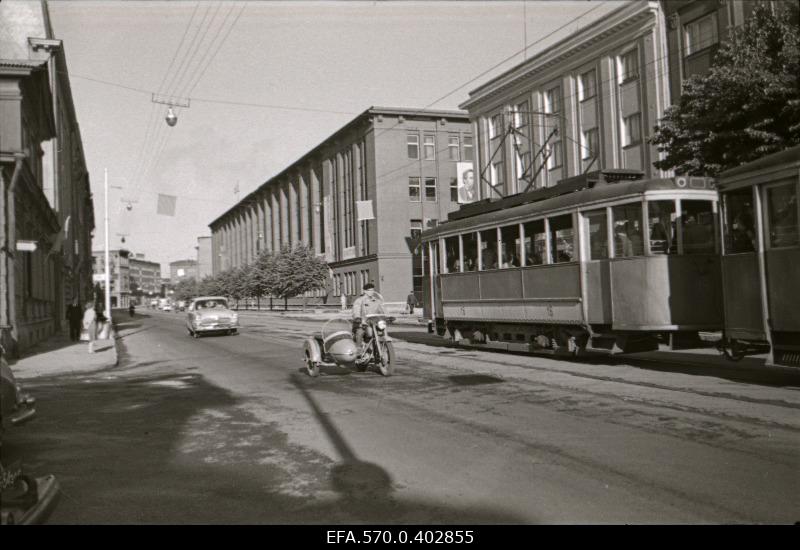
(411, 301)
(90, 324)
(131, 309)
(74, 316)
(344, 301)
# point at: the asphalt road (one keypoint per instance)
(230, 429)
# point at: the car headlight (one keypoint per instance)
(381, 325)
(235, 317)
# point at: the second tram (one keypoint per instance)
(608, 262)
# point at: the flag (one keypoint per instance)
(166, 205)
(60, 237)
(364, 209)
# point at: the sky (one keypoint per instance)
(265, 83)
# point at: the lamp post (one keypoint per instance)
(107, 305)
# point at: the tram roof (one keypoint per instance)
(573, 193)
(787, 156)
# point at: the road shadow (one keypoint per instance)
(171, 448)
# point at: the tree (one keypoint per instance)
(294, 272)
(186, 289)
(747, 106)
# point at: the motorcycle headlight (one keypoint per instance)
(381, 325)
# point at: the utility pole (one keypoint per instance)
(107, 312)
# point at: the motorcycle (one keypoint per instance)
(334, 346)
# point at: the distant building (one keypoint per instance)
(119, 269)
(204, 267)
(400, 165)
(182, 269)
(46, 212)
(145, 277)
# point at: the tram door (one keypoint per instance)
(740, 271)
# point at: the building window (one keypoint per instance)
(468, 148)
(430, 147)
(430, 189)
(700, 34)
(453, 147)
(413, 146)
(552, 100)
(521, 115)
(628, 66)
(587, 85)
(496, 126)
(498, 176)
(554, 156)
(590, 145)
(454, 190)
(632, 130)
(413, 189)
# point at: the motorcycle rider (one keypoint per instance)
(369, 302)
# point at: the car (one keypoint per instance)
(210, 314)
(166, 307)
(16, 407)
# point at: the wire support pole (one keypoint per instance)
(172, 101)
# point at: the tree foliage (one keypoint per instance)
(289, 273)
(747, 106)
(186, 289)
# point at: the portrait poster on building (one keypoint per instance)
(467, 189)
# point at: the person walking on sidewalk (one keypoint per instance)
(74, 316)
(411, 302)
(90, 324)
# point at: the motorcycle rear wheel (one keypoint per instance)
(386, 365)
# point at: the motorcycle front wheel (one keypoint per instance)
(386, 365)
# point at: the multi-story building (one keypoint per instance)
(182, 269)
(695, 30)
(46, 212)
(145, 277)
(586, 103)
(119, 269)
(204, 267)
(358, 199)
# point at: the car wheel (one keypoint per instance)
(196, 334)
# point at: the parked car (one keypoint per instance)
(166, 307)
(209, 314)
(16, 407)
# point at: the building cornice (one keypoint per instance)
(563, 52)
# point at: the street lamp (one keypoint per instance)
(171, 118)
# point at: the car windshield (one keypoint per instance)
(211, 304)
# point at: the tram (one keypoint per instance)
(761, 258)
(607, 262)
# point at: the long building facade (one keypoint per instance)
(145, 277)
(46, 212)
(359, 200)
(119, 274)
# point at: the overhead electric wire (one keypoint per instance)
(219, 46)
(175, 55)
(190, 48)
(190, 69)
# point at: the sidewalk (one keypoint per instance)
(59, 355)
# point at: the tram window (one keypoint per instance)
(697, 223)
(489, 249)
(740, 234)
(628, 230)
(470, 241)
(562, 239)
(782, 212)
(597, 228)
(535, 243)
(510, 246)
(661, 218)
(452, 261)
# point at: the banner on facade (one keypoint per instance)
(364, 209)
(166, 205)
(467, 191)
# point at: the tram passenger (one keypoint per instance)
(697, 237)
(744, 235)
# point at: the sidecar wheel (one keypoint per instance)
(387, 359)
(311, 366)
